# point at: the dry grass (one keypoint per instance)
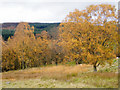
(55, 72)
(59, 77)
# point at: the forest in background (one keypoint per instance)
(8, 29)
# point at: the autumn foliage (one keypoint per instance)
(88, 36)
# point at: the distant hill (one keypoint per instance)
(8, 29)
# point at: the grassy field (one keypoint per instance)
(63, 76)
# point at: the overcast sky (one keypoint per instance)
(43, 10)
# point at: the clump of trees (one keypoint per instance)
(88, 36)
(25, 50)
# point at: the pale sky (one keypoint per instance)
(43, 10)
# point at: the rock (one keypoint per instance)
(7, 82)
(117, 57)
(116, 72)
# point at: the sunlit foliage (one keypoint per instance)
(90, 35)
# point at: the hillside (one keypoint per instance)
(8, 29)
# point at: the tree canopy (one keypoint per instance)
(90, 35)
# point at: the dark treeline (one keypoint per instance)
(8, 29)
